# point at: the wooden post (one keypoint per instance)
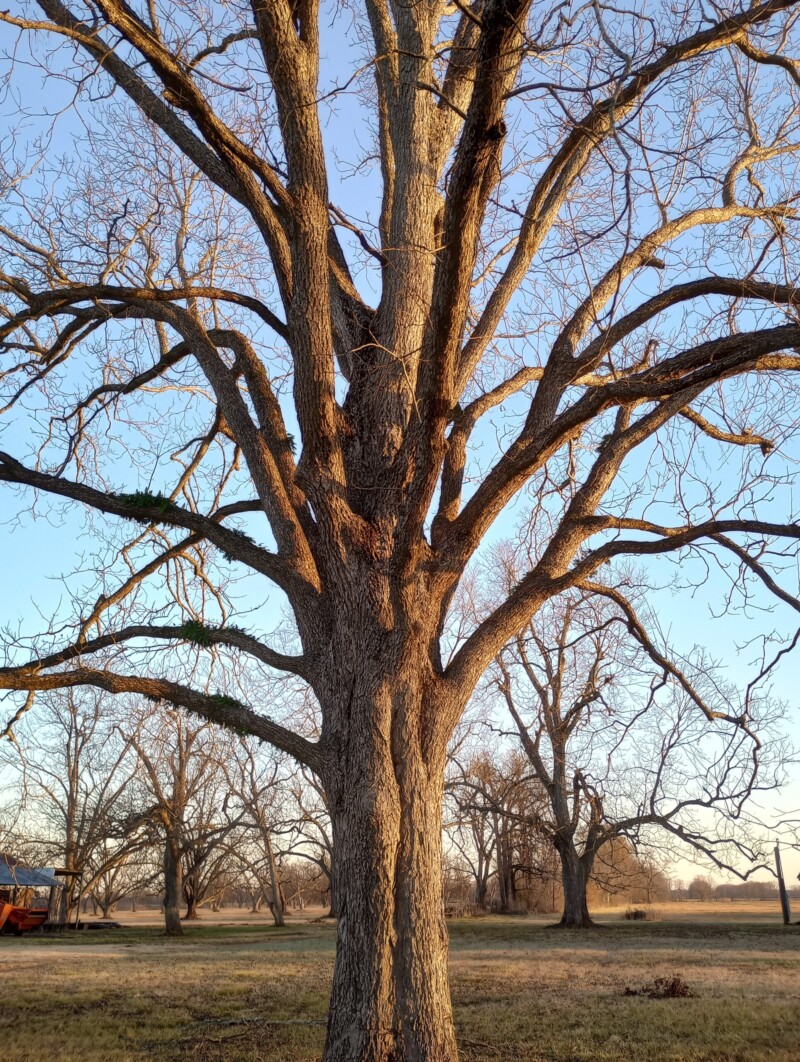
(53, 906)
(787, 913)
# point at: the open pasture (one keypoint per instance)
(238, 989)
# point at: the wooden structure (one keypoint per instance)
(19, 884)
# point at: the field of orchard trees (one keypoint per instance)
(158, 810)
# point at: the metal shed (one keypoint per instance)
(16, 875)
(18, 883)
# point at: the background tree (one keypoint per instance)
(621, 749)
(122, 880)
(468, 824)
(184, 797)
(307, 833)
(623, 872)
(74, 772)
(255, 783)
(260, 370)
(701, 887)
(494, 809)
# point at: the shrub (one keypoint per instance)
(672, 987)
(636, 914)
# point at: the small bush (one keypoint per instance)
(636, 914)
(672, 987)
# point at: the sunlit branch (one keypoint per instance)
(216, 708)
(60, 300)
(142, 507)
(684, 375)
(224, 158)
(569, 161)
(191, 632)
(637, 629)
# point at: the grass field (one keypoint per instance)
(521, 990)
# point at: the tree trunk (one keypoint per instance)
(505, 875)
(333, 902)
(277, 904)
(390, 1000)
(192, 910)
(172, 887)
(58, 910)
(480, 893)
(333, 891)
(574, 877)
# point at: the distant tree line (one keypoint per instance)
(702, 887)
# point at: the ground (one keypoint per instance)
(244, 990)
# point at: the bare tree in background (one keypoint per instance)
(623, 740)
(701, 887)
(185, 798)
(73, 776)
(255, 785)
(468, 826)
(495, 805)
(125, 878)
(307, 832)
(577, 219)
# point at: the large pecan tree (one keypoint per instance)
(571, 221)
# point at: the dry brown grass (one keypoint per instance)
(748, 911)
(520, 990)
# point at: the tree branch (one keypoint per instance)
(196, 633)
(156, 510)
(216, 708)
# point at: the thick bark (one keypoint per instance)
(390, 1000)
(575, 873)
(172, 887)
(333, 899)
(333, 890)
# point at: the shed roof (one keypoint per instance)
(14, 873)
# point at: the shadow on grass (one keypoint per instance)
(521, 991)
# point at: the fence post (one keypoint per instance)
(787, 913)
